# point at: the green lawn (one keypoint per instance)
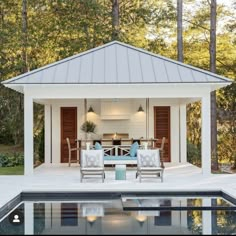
(16, 170)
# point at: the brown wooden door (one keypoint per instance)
(162, 129)
(68, 129)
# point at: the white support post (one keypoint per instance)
(206, 134)
(183, 134)
(183, 214)
(29, 218)
(47, 133)
(48, 216)
(28, 135)
(206, 218)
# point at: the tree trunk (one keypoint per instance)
(25, 67)
(24, 47)
(213, 94)
(24, 36)
(115, 20)
(180, 30)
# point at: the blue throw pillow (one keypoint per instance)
(133, 149)
(98, 146)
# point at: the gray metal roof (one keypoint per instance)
(117, 63)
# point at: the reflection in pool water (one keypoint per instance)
(108, 217)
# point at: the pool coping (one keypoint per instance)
(72, 195)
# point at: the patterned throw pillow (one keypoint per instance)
(92, 161)
(148, 160)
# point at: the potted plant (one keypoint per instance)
(88, 127)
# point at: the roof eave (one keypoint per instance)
(216, 86)
(17, 87)
(212, 86)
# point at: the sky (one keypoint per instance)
(226, 2)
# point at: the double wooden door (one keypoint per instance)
(162, 128)
(68, 130)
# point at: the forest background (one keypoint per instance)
(35, 33)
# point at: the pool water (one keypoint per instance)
(128, 214)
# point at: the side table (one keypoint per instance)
(120, 172)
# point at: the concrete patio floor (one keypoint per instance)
(181, 177)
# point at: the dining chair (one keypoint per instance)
(71, 150)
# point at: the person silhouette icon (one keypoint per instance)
(16, 219)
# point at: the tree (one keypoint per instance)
(180, 30)
(115, 19)
(24, 36)
(212, 51)
(38, 32)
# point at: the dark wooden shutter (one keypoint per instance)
(162, 128)
(69, 214)
(68, 129)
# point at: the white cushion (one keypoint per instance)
(92, 209)
(92, 160)
(148, 160)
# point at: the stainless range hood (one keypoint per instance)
(115, 109)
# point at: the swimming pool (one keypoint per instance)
(120, 213)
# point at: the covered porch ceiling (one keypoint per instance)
(161, 101)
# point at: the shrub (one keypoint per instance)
(13, 159)
(88, 127)
(194, 154)
(41, 146)
(3, 160)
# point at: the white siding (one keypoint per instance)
(135, 126)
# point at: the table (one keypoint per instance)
(120, 172)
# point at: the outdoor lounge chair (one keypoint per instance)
(92, 164)
(149, 164)
(92, 209)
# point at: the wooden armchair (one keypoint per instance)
(71, 150)
(162, 151)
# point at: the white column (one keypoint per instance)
(47, 133)
(206, 134)
(183, 133)
(206, 218)
(174, 133)
(29, 218)
(183, 214)
(48, 215)
(28, 135)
